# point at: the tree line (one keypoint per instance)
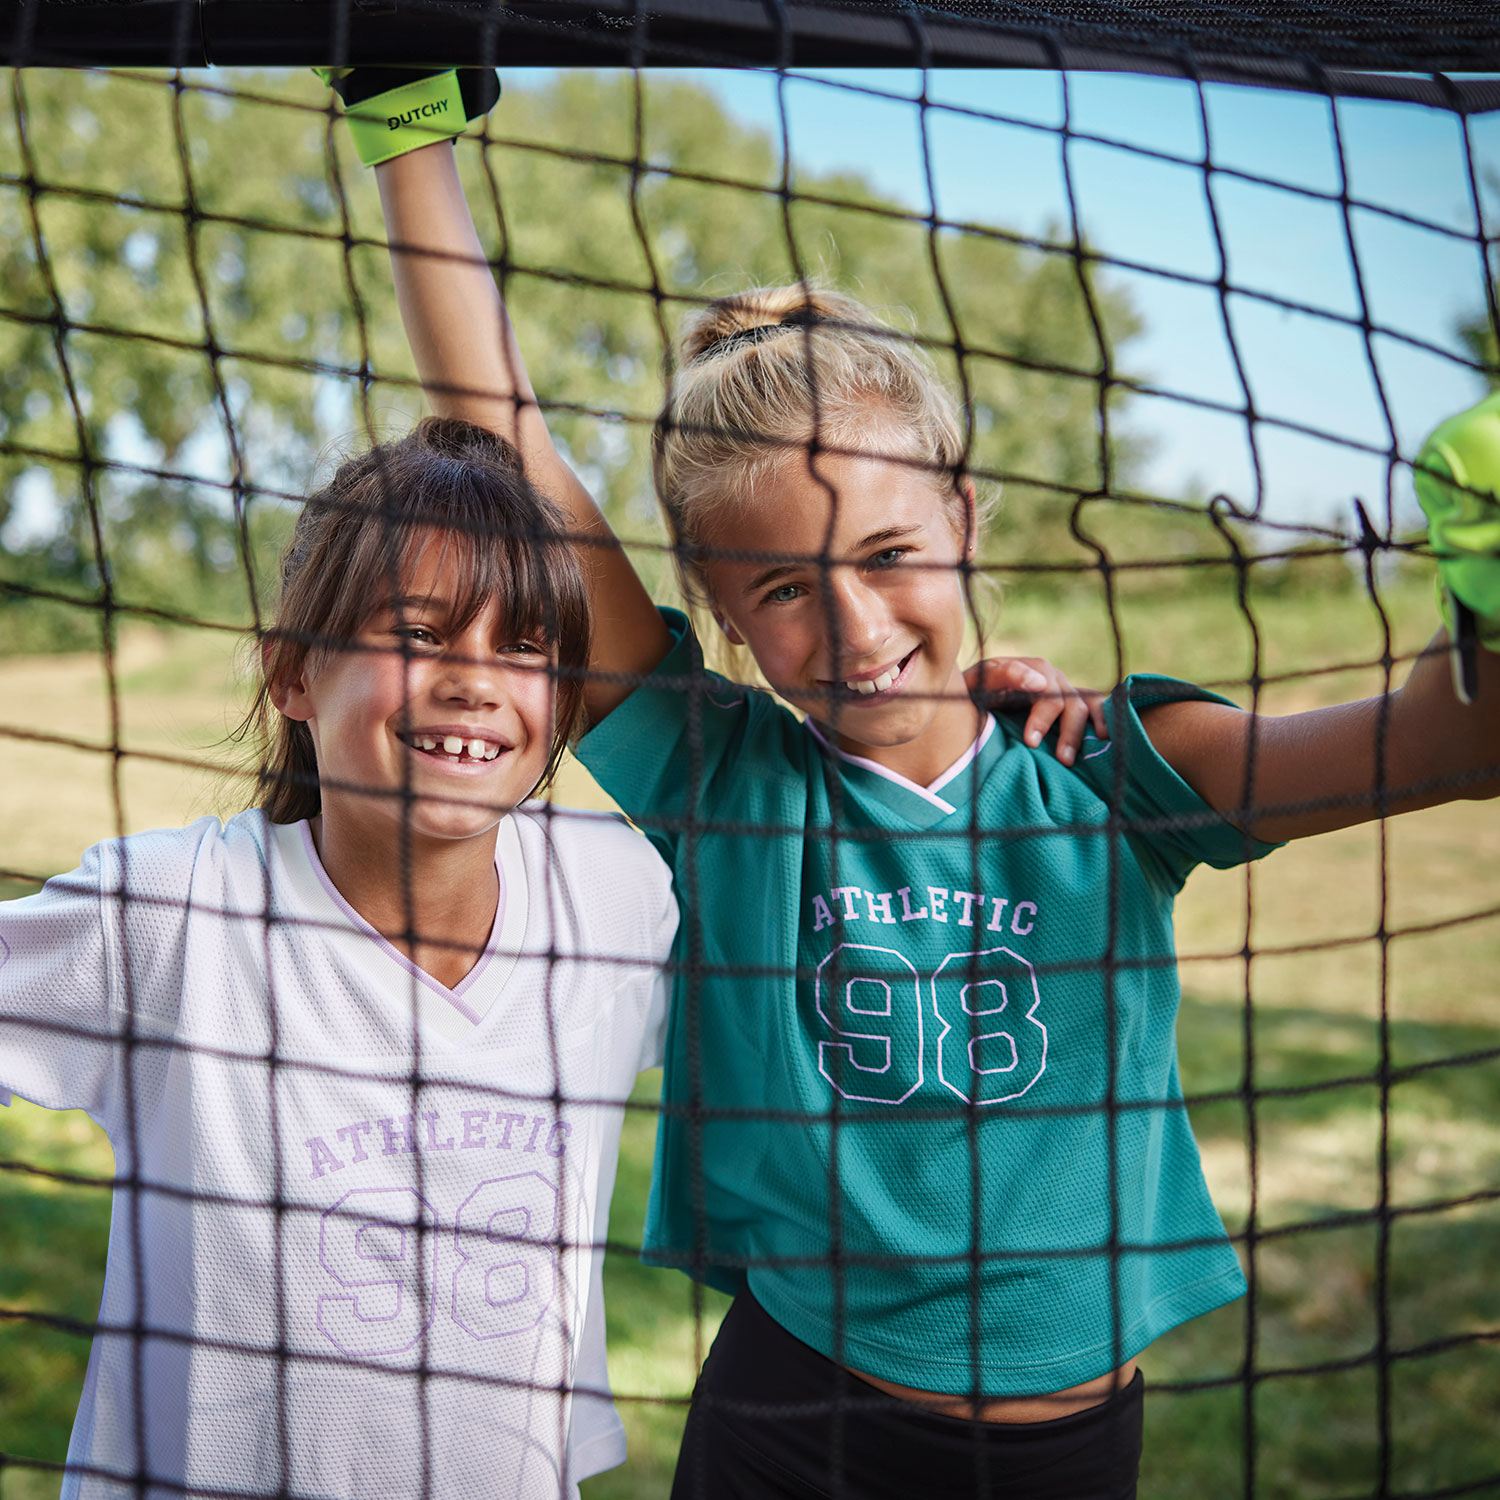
(193, 283)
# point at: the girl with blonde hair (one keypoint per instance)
(921, 1111)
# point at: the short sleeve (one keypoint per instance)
(654, 1035)
(667, 753)
(57, 1029)
(1166, 821)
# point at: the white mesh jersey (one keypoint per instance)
(354, 1246)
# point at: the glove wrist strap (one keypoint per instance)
(416, 114)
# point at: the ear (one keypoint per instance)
(971, 511)
(290, 697)
(727, 626)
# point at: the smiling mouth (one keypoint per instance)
(868, 688)
(453, 748)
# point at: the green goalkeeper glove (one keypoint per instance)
(395, 110)
(1457, 476)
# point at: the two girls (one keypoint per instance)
(362, 1051)
(922, 1113)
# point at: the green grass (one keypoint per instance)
(1315, 1021)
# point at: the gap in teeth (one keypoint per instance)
(457, 746)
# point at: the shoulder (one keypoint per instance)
(1195, 733)
(175, 857)
(684, 699)
(165, 859)
(163, 879)
(1155, 715)
(144, 900)
(608, 866)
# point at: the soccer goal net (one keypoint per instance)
(943, 1064)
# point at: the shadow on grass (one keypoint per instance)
(1303, 1046)
(1319, 1292)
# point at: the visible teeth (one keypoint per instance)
(491, 751)
(873, 684)
(477, 749)
(453, 744)
(427, 742)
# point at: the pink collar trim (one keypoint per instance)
(454, 997)
(928, 793)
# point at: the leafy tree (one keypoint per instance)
(117, 280)
(209, 260)
(1479, 337)
(1479, 334)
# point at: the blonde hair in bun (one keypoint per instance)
(765, 376)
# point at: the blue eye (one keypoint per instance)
(783, 593)
(888, 558)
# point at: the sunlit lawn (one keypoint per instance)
(1317, 1027)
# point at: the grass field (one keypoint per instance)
(1316, 1018)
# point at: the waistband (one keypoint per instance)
(771, 1396)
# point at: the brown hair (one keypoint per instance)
(766, 373)
(507, 542)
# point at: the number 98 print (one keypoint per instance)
(381, 1247)
(872, 1000)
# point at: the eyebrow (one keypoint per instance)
(783, 569)
(416, 604)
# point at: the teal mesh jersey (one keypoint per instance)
(901, 1017)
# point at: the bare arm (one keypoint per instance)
(1317, 771)
(471, 366)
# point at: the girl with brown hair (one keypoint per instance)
(362, 1052)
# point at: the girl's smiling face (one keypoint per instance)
(868, 643)
(420, 719)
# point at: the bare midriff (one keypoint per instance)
(1012, 1408)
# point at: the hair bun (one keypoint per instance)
(749, 317)
(801, 317)
(452, 437)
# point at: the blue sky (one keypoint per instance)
(1403, 157)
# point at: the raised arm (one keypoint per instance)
(1333, 767)
(471, 367)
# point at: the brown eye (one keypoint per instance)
(530, 652)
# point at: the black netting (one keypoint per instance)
(196, 309)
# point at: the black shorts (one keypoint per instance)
(774, 1420)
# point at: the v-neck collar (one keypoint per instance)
(454, 1014)
(923, 805)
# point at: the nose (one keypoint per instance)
(859, 621)
(468, 677)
